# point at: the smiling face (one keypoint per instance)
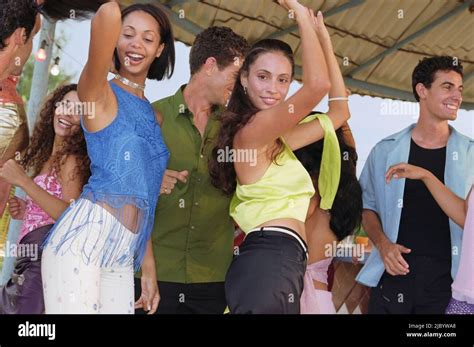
(268, 80)
(139, 43)
(444, 97)
(67, 121)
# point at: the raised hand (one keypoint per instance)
(299, 10)
(320, 27)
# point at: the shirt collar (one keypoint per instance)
(179, 100)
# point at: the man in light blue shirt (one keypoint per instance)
(417, 248)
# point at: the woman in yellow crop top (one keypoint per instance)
(254, 159)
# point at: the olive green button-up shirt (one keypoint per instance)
(193, 233)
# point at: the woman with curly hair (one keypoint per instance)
(57, 159)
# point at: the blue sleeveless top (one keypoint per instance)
(128, 161)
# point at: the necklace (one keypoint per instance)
(129, 83)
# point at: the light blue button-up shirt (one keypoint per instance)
(387, 199)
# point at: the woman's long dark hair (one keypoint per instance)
(240, 111)
(346, 211)
(41, 144)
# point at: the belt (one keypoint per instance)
(284, 230)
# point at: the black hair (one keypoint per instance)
(240, 111)
(163, 66)
(426, 69)
(346, 211)
(16, 14)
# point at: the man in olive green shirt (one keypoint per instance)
(193, 232)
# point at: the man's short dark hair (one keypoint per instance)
(426, 69)
(16, 14)
(219, 42)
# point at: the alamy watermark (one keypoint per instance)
(390, 107)
(346, 250)
(22, 250)
(76, 108)
(231, 155)
(28, 329)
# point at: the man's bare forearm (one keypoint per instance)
(373, 227)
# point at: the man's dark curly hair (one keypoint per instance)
(426, 69)
(219, 42)
(16, 14)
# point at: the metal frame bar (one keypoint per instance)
(411, 37)
(329, 13)
(183, 23)
(390, 92)
(387, 92)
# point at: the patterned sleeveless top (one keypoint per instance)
(128, 161)
(35, 217)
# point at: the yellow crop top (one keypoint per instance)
(283, 191)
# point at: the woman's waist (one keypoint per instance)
(140, 186)
(278, 231)
(118, 197)
(130, 211)
(249, 216)
(295, 225)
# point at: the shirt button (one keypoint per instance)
(199, 180)
(196, 203)
(192, 227)
(202, 156)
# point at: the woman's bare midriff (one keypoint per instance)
(291, 223)
(126, 215)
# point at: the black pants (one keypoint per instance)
(191, 298)
(267, 275)
(426, 289)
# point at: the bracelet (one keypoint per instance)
(342, 98)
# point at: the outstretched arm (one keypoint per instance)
(270, 124)
(70, 9)
(451, 204)
(93, 85)
(307, 133)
